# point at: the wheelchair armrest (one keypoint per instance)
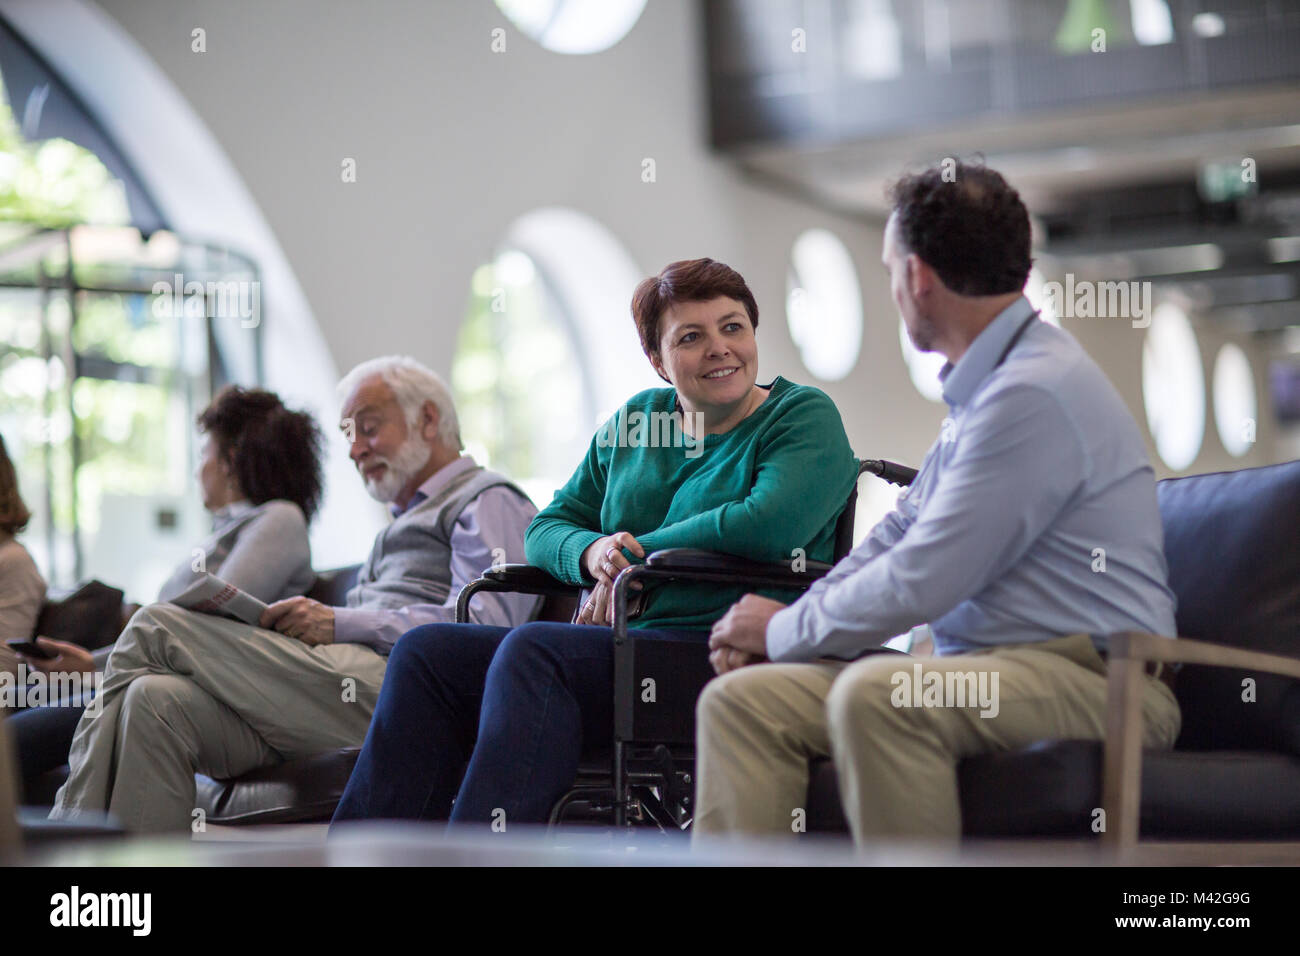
(512, 579)
(696, 559)
(525, 577)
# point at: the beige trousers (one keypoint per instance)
(186, 692)
(896, 733)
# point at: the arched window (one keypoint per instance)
(574, 26)
(1173, 386)
(824, 305)
(548, 349)
(1235, 408)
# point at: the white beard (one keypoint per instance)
(402, 466)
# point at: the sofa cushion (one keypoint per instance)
(1222, 794)
(1230, 541)
(331, 587)
(305, 790)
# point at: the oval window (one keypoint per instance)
(1173, 386)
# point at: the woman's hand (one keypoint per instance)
(603, 559)
(599, 607)
(70, 659)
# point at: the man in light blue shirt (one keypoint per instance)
(1030, 533)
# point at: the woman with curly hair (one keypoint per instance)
(259, 474)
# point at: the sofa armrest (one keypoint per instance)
(1184, 650)
(1122, 761)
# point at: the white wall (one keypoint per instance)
(453, 142)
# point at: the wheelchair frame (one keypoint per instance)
(643, 774)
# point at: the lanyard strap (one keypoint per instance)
(1015, 338)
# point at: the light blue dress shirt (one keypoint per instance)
(1033, 516)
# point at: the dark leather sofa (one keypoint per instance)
(1232, 541)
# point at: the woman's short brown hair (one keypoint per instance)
(13, 513)
(687, 280)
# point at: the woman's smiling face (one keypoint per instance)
(709, 353)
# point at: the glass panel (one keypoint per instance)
(123, 328)
(97, 405)
(137, 511)
(515, 365)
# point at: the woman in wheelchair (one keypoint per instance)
(487, 724)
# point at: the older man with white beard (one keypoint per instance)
(186, 692)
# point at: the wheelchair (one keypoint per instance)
(646, 775)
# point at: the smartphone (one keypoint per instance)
(30, 649)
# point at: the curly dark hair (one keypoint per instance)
(273, 452)
(687, 280)
(966, 223)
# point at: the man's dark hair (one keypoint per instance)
(273, 452)
(967, 224)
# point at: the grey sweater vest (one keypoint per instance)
(410, 562)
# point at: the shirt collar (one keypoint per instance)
(961, 381)
(236, 509)
(435, 483)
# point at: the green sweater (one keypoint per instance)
(776, 482)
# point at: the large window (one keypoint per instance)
(525, 406)
(574, 26)
(1173, 386)
(101, 375)
(548, 349)
(922, 367)
(101, 372)
(824, 305)
(1235, 410)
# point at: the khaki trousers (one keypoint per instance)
(758, 728)
(188, 693)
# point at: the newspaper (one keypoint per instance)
(211, 595)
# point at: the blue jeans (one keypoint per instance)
(494, 718)
(42, 738)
